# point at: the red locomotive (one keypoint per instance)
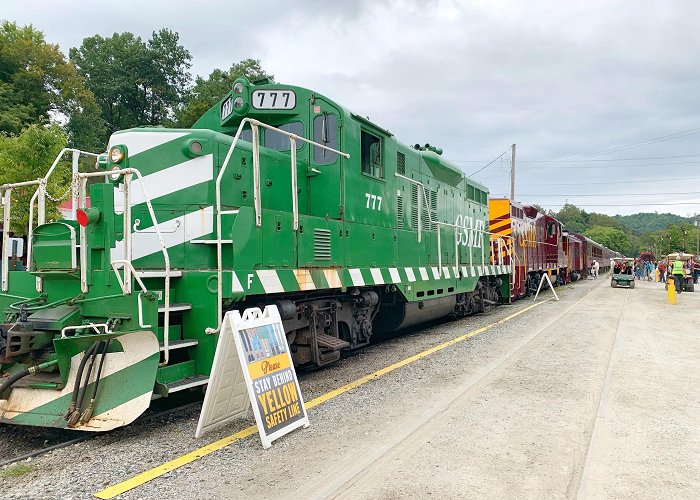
(534, 243)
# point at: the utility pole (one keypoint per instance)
(512, 175)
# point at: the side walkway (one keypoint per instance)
(646, 441)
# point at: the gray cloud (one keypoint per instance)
(560, 80)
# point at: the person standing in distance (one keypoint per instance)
(595, 266)
(677, 272)
(662, 271)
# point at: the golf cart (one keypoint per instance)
(687, 285)
(622, 272)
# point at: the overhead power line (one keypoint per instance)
(490, 163)
(592, 159)
(654, 140)
(624, 204)
(610, 194)
(665, 179)
(631, 166)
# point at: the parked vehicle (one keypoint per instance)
(688, 285)
(622, 274)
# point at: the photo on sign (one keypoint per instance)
(263, 342)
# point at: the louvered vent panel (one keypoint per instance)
(414, 207)
(322, 244)
(401, 163)
(399, 211)
(433, 210)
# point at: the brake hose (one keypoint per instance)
(78, 378)
(26, 371)
(87, 414)
(81, 393)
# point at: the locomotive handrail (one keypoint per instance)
(431, 221)
(254, 124)
(94, 326)
(126, 285)
(127, 173)
(438, 224)
(40, 193)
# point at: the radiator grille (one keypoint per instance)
(414, 207)
(322, 244)
(401, 163)
(432, 198)
(399, 211)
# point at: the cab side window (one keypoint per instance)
(371, 150)
(246, 133)
(325, 132)
(280, 142)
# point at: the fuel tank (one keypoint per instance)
(398, 315)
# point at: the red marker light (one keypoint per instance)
(82, 217)
(87, 216)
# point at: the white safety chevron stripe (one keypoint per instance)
(394, 273)
(377, 276)
(270, 281)
(423, 274)
(332, 278)
(138, 142)
(356, 277)
(409, 274)
(175, 232)
(167, 181)
(236, 285)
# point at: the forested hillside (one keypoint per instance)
(649, 222)
(631, 234)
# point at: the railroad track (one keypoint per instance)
(90, 435)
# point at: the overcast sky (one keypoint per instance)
(563, 80)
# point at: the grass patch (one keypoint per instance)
(15, 470)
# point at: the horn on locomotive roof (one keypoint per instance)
(428, 147)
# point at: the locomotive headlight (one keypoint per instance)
(116, 155)
(115, 176)
(238, 103)
(238, 88)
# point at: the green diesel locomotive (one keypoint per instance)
(277, 195)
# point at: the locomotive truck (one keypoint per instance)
(276, 195)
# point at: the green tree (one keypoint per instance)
(596, 219)
(29, 156)
(574, 219)
(135, 82)
(37, 84)
(612, 238)
(207, 92)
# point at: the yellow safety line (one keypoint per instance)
(178, 462)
